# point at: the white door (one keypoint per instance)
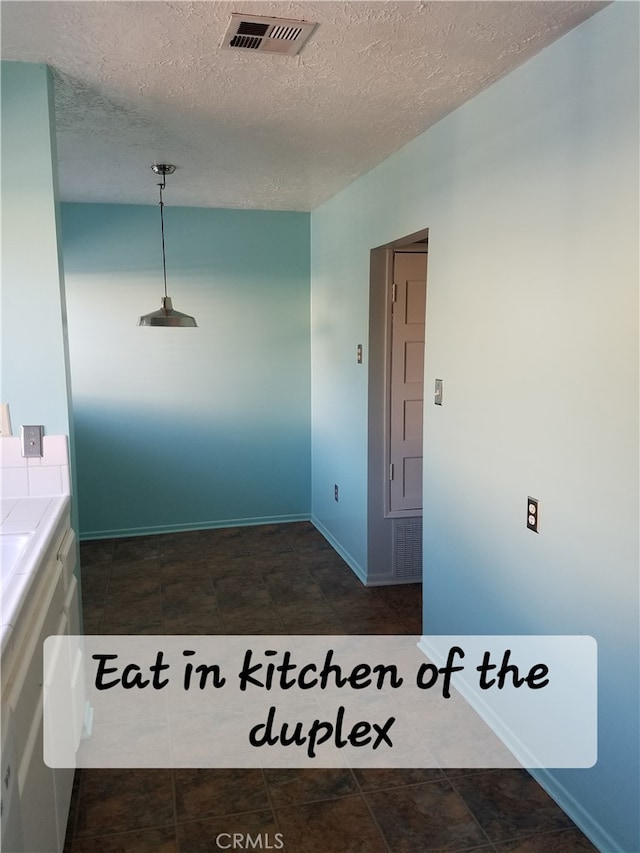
(407, 381)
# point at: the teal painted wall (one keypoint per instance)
(530, 194)
(187, 428)
(34, 353)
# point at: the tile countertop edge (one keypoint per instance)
(22, 579)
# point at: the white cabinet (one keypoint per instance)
(36, 800)
(10, 816)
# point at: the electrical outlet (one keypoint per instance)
(359, 354)
(335, 494)
(533, 514)
(32, 440)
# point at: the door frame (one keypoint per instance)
(380, 527)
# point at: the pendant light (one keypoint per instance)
(166, 315)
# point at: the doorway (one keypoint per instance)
(397, 322)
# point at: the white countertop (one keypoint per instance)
(27, 526)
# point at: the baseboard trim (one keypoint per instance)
(598, 836)
(390, 580)
(545, 778)
(353, 564)
(186, 528)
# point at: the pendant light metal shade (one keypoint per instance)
(166, 315)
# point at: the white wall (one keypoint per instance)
(34, 348)
(530, 194)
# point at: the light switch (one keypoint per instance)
(32, 440)
(437, 394)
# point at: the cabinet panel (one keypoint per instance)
(37, 797)
(25, 688)
(10, 818)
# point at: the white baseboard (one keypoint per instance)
(353, 564)
(185, 528)
(545, 778)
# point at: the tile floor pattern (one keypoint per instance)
(282, 579)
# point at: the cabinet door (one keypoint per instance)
(63, 776)
(10, 819)
(37, 796)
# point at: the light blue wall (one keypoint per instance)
(339, 322)
(185, 428)
(34, 364)
(530, 194)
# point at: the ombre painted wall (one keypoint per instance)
(188, 428)
(530, 194)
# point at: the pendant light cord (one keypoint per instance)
(164, 260)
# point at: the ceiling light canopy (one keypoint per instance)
(166, 315)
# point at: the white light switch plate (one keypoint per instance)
(32, 440)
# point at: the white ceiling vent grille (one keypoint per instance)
(268, 35)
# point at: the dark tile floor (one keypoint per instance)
(282, 579)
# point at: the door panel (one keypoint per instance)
(412, 420)
(416, 292)
(412, 478)
(414, 358)
(407, 381)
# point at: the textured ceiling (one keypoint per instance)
(144, 82)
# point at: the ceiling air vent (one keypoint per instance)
(268, 35)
